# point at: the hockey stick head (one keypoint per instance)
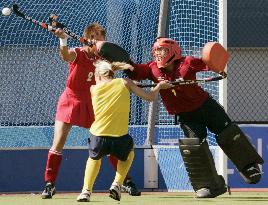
(112, 52)
(15, 9)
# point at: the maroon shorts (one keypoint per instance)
(75, 108)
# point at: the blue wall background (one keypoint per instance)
(22, 170)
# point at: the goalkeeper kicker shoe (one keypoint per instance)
(84, 196)
(115, 192)
(130, 188)
(207, 193)
(49, 191)
(251, 174)
(213, 191)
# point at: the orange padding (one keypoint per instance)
(215, 56)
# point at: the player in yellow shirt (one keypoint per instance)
(109, 131)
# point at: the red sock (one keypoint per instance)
(53, 164)
(113, 160)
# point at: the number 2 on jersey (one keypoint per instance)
(90, 76)
(174, 92)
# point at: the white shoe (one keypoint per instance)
(115, 192)
(84, 196)
(203, 193)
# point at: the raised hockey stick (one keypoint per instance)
(106, 50)
(16, 11)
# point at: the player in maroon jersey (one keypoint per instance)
(74, 105)
(197, 111)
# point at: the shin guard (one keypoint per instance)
(241, 152)
(52, 167)
(200, 166)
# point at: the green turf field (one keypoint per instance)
(157, 198)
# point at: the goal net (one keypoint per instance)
(32, 75)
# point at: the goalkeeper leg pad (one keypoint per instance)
(201, 169)
(241, 152)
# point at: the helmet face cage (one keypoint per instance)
(165, 51)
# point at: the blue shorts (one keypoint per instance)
(119, 147)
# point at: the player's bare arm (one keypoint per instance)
(66, 54)
(150, 95)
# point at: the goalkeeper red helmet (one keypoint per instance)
(165, 51)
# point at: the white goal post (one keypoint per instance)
(183, 21)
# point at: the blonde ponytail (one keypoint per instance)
(120, 66)
(104, 68)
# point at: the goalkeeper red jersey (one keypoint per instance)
(182, 98)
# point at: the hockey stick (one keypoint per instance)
(15, 9)
(106, 50)
(189, 82)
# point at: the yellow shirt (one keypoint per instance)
(111, 105)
